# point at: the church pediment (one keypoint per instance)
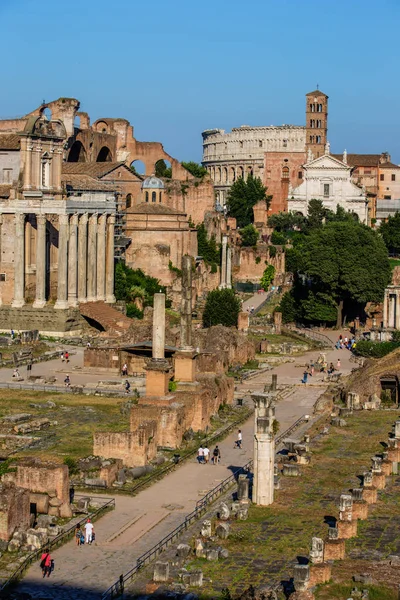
(327, 161)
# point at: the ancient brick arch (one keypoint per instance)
(104, 155)
(77, 152)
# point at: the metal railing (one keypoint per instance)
(117, 588)
(109, 504)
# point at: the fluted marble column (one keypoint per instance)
(62, 286)
(73, 261)
(92, 259)
(82, 258)
(19, 261)
(101, 258)
(110, 298)
(40, 297)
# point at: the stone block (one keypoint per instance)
(14, 545)
(83, 504)
(301, 577)
(223, 553)
(222, 530)
(54, 511)
(379, 481)
(291, 470)
(44, 520)
(320, 573)
(200, 550)
(334, 549)
(55, 502)
(243, 488)
(347, 529)
(360, 510)
(212, 554)
(95, 482)
(196, 578)
(387, 468)
(317, 550)
(223, 512)
(183, 550)
(66, 511)
(206, 531)
(243, 513)
(370, 495)
(364, 578)
(41, 501)
(161, 572)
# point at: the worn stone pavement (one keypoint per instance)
(139, 522)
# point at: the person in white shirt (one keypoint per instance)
(200, 455)
(206, 452)
(88, 531)
(239, 439)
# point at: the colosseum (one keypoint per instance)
(253, 150)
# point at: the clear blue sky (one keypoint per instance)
(176, 68)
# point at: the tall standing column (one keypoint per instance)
(229, 267)
(110, 298)
(186, 303)
(73, 261)
(82, 258)
(92, 259)
(19, 261)
(385, 310)
(62, 281)
(223, 262)
(158, 327)
(264, 450)
(40, 298)
(397, 311)
(101, 258)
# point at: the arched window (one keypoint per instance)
(312, 107)
(104, 155)
(285, 173)
(128, 200)
(147, 196)
(219, 175)
(153, 197)
(241, 172)
(77, 152)
(160, 196)
(225, 173)
(320, 108)
(233, 174)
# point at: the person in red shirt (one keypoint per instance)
(45, 563)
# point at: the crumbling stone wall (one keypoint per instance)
(249, 263)
(14, 509)
(231, 345)
(39, 477)
(134, 448)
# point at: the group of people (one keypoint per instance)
(345, 343)
(203, 455)
(65, 357)
(322, 366)
(88, 537)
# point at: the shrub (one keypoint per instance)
(133, 312)
(249, 235)
(272, 251)
(278, 238)
(370, 349)
(71, 464)
(222, 308)
(258, 260)
(288, 308)
(268, 277)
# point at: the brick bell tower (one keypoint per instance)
(316, 122)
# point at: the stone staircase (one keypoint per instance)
(110, 319)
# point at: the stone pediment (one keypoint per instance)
(327, 161)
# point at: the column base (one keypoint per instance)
(39, 304)
(222, 286)
(100, 298)
(111, 299)
(73, 302)
(61, 304)
(82, 300)
(18, 303)
(91, 299)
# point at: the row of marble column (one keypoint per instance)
(85, 270)
(226, 264)
(391, 308)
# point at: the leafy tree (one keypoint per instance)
(316, 214)
(288, 307)
(372, 349)
(390, 232)
(272, 251)
(346, 262)
(267, 277)
(195, 169)
(131, 283)
(162, 170)
(286, 221)
(222, 308)
(207, 248)
(278, 238)
(249, 235)
(242, 196)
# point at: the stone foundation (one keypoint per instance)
(334, 550)
(360, 510)
(14, 510)
(135, 449)
(49, 321)
(347, 529)
(320, 573)
(379, 481)
(370, 495)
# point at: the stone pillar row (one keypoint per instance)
(85, 260)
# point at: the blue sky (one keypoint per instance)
(176, 68)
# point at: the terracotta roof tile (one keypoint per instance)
(389, 165)
(10, 141)
(86, 183)
(360, 160)
(98, 169)
(151, 208)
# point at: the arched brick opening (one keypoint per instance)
(104, 155)
(77, 152)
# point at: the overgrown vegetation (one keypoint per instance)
(249, 235)
(242, 196)
(136, 289)
(390, 232)
(338, 265)
(222, 308)
(195, 169)
(208, 248)
(162, 170)
(371, 349)
(267, 277)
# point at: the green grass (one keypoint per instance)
(269, 541)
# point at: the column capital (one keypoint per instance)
(84, 218)
(41, 219)
(111, 219)
(63, 219)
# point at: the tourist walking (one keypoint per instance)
(206, 454)
(338, 364)
(67, 381)
(238, 443)
(62, 356)
(216, 455)
(46, 563)
(79, 539)
(127, 387)
(124, 370)
(200, 455)
(305, 377)
(88, 531)
(66, 357)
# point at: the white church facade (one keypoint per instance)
(328, 179)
